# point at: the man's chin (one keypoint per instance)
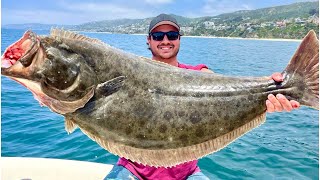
(167, 55)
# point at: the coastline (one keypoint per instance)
(240, 38)
(213, 37)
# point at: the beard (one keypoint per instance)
(159, 54)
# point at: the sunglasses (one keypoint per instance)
(171, 35)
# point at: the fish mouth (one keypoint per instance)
(19, 62)
(22, 51)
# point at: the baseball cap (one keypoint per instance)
(163, 19)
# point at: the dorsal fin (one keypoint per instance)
(60, 33)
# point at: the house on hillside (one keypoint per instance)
(186, 29)
(313, 19)
(281, 24)
(299, 21)
(208, 24)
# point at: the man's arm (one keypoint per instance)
(276, 103)
(206, 70)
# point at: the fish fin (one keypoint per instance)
(172, 157)
(305, 65)
(60, 33)
(64, 107)
(70, 126)
(110, 87)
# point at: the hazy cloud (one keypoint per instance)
(72, 13)
(38, 16)
(216, 7)
(77, 12)
(105, 10)
(158, 1)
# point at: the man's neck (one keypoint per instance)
(171, 61)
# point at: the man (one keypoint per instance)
(164, 43)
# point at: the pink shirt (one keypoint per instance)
(181, 171)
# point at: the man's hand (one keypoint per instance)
(280, 102)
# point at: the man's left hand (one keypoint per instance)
(279, 102)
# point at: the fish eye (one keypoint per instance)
(50, 56)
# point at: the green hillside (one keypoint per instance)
(302, 10)
(288, 21)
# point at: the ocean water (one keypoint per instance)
(286, 146)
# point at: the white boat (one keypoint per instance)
(23, 168)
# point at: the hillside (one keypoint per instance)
(289, 21)
(302, 10)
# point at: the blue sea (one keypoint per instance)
(286, 146)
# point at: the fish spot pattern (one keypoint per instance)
(195, 117)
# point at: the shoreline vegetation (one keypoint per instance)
(213, 37)
(280, 23)
(288, 22)
(240, 38)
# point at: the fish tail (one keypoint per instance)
(303, 71)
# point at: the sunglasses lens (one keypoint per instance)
(171, 35)
(158, 36)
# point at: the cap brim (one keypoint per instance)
(165, 22)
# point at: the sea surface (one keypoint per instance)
(286, 146)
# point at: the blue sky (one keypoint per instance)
(81, 11)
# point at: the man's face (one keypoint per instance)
(166, 48)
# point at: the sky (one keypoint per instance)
(73, 12)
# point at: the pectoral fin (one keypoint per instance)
(70, 126)
(109, 87)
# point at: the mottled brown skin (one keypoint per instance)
(163, 107)
(151, 105)
(153, 115)
(174, 108)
